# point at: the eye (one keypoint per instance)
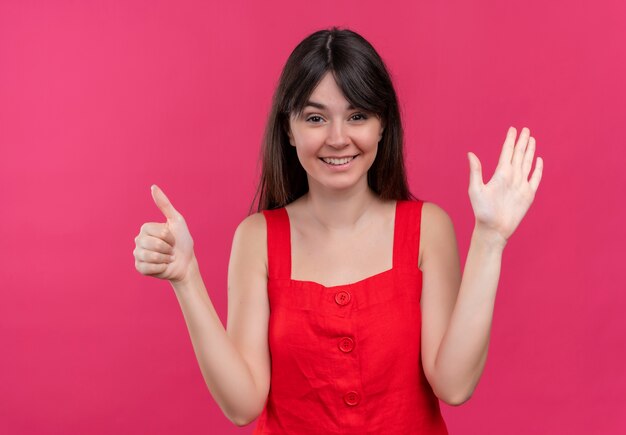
(313, 119)
(361, 115)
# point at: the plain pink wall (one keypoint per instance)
(98, 100)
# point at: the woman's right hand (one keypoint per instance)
(164, 250)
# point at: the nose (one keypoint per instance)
(337, 136)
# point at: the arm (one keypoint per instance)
(457, 317)
(235, 364)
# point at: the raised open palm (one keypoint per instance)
(500, 205)
(164, 250)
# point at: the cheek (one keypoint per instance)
(368, 135)
(306, 153)
(308, 143)
(373, 152)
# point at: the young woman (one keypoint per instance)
(347, 313)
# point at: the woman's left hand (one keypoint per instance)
(500, 205)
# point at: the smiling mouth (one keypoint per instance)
(337, 162)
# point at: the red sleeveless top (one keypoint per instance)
(346, 358)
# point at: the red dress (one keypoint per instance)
(346, 358)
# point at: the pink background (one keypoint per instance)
(98, 100)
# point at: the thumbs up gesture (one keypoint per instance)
(164, 250)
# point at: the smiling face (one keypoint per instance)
(335, 142)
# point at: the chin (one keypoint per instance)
(340, 185)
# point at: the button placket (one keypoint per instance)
(346, 345)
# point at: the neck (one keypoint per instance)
(340, 211)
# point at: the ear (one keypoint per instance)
(287, 129)
(290, 135)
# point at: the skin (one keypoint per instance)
(342, 233)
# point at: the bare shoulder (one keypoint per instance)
(433, 214)
(253, 226)
(247, 274)
(436, 228)
(251, 236)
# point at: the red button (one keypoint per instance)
(352, 398)
(346, 344)
(342, 297)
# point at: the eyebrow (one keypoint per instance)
(323, 107)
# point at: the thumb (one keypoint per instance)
(163, 203)
(476, 173)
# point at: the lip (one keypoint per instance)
(338, 157)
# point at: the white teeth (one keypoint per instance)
(338, 161)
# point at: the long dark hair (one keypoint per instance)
(364, 80)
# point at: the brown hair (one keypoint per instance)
(363, 78)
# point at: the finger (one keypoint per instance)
(507, 147)
(155, 244)
(528, 158)
(476, 173)
(150, 268)
(160, 231)
(148, 256)
(537, 173)
(520, 148)
(163, 203)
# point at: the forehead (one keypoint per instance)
(327, 93)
